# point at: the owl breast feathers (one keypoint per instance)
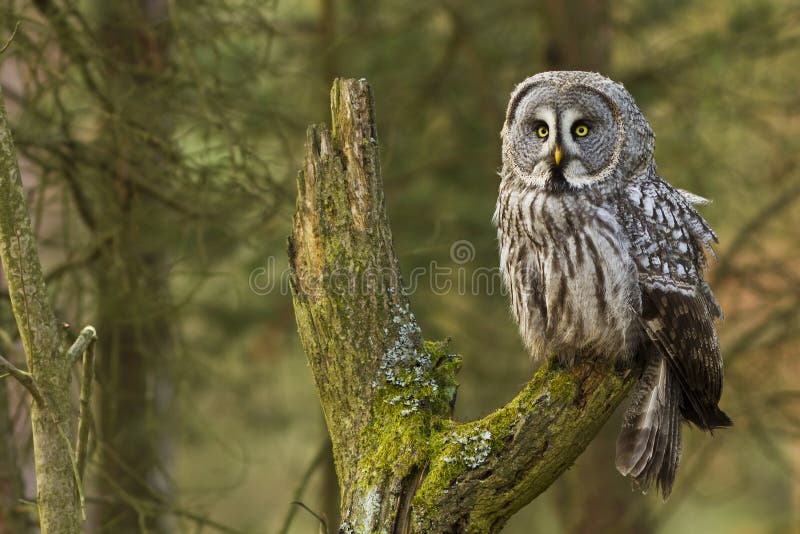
(603, 258)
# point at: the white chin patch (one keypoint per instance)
(575, 174)
(580, 180)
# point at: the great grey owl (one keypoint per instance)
(602, 257)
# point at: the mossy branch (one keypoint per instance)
(41, 340)
(403, 464)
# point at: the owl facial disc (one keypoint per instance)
(565, 131)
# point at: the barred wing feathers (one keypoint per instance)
(668, 240)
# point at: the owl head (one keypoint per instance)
(566, 130)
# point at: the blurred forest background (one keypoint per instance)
(159, 141)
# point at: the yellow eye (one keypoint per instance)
(581, 130)
(542, 131)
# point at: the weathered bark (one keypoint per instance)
(57, 490)
(403, 464)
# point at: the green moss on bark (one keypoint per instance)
(57, 497)
(403, 464)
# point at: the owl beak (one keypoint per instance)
(557, 155)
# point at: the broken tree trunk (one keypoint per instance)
(403, 464)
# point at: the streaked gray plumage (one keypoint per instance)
(603, 257)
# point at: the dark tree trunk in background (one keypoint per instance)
(10, 480)
(329, 67)
(11, 487)
(330, 489)
(327, 36)
(578, 34)
(132, 277)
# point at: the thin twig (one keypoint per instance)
(315, 514)
(13, 34)
(24, 378)
(68, 266)
(771, 210)
(301, 486)
(158, 508)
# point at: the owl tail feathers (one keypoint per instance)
(649, 444)
(712, 417)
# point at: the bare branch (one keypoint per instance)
(771, 210)
(10, 39)
(23, 377)
(322, 523)
(85, 412)
(301, 486)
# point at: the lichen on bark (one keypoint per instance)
(403, 464)
(57, 495)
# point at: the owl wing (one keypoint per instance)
(668, 241)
